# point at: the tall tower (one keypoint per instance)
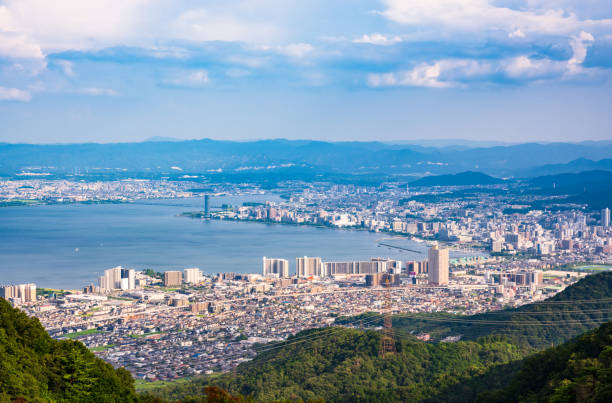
(387, 343)
(438, 265)
(207, 206)
(605, 217)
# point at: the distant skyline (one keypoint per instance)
(364, 70)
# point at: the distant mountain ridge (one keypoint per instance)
(461, 179)
(355, 158)
(577, 165)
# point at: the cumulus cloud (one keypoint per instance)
(378, 39)
(480, 16)
(579, 44)
(516, 34)
(524, 67)
(18, 46)
(440, 74)
(14, 94)
(448, 73)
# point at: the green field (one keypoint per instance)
(120, 298)
(142, 385)
(81, 333)
(594, 267)
(102, 348)
(139, 336)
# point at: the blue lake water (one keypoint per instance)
(68, 246)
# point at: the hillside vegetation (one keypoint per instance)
(577, 371)
(36, 368)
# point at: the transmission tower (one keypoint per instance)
(387, 344)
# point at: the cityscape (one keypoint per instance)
(211, 323)
(261, 201)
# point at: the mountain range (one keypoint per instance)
(305, 157)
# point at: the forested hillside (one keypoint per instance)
(343, 365)
(577, 371)
(37, 368)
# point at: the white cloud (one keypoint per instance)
(480, 16)
(18, 46)
(190, 78)
(76, 24)
(66, 67)
(448, 73)
(378, 39)
(86, 24)
(579, 44)
(204, 25)
(439, 74)
(14, 94)
(297, 50)
(95, 91)
(538, 68)
(524, 67)
(516, 34)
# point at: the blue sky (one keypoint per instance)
(516, 70)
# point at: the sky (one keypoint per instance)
(388, 70)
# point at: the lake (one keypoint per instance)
(70, 245)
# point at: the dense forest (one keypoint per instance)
(577, 371)
(36, 368)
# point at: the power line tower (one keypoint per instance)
(387, 343)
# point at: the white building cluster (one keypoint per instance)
(18, 293)
(314, 267)
(118, 278)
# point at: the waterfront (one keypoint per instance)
(68, 246)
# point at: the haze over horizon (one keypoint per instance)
(389, 70)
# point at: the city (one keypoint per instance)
(262, 201)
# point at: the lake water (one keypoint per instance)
(69, 246)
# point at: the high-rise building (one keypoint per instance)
(275, 267)
(605, 217)
(173, 278)
(206, 206)
(375, 265)
(417, 267)
(309, 266)
(128, 279)
(118, 278)
(438, 265)
(20, 292)
(192, 276)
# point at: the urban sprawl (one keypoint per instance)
(172, 324)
